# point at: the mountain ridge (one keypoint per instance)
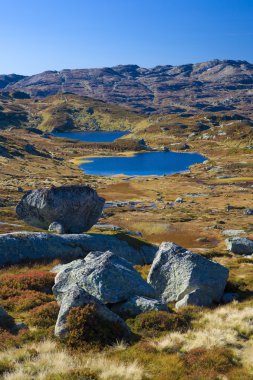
(211, 86)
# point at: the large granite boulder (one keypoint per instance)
(105, 276)
(180, 275)
(75, 208)
(78, 297)
(30, 246)
(240, 245)
(137, 305)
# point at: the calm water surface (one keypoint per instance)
(150, 163)
(97, 136)
(143, 164)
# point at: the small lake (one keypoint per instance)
(142, 164)
(95, 136)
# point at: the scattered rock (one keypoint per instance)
(233, 232)
(30, 246)
(76, 208)
(248, 211)
(240, 245)
(105, 276)
(56, 227)
(179, 200)
(137, 305)
(142, 143)
(180, 275)
(77, 297)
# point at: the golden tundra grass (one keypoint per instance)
(45, 359)
(226, 326)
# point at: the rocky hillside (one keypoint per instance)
(58, 113)
(211, 86)
(9, 79)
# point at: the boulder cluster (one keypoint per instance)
(120, 292)
(100, 268)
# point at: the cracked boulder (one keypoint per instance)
(185, 277)
(104, 275)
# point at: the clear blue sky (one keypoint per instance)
(39, 35)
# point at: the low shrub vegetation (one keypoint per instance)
(45, 315)
(156, 322)
(86, 327)
(33, 280)
(26, 300)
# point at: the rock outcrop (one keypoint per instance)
(105, 276)
(180, 275)
(240, 245)
(76, 208)
(78, 297)
(19, 247)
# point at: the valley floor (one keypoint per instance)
(214, 344)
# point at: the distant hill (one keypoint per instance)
(213, 86)
(63, 112)
(5, 80)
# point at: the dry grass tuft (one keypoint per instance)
(224, 327)
(45, 359)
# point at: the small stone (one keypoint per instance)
(240, 245)
(248, 211)
(57, 228)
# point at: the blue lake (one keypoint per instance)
(96, 136)
(143, 164)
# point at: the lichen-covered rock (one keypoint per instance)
(78, 297)
(56, 227)
(76, 208)
(137, 305)
(182, 276)
(240, 245)
(105, 276)
(22, 246)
